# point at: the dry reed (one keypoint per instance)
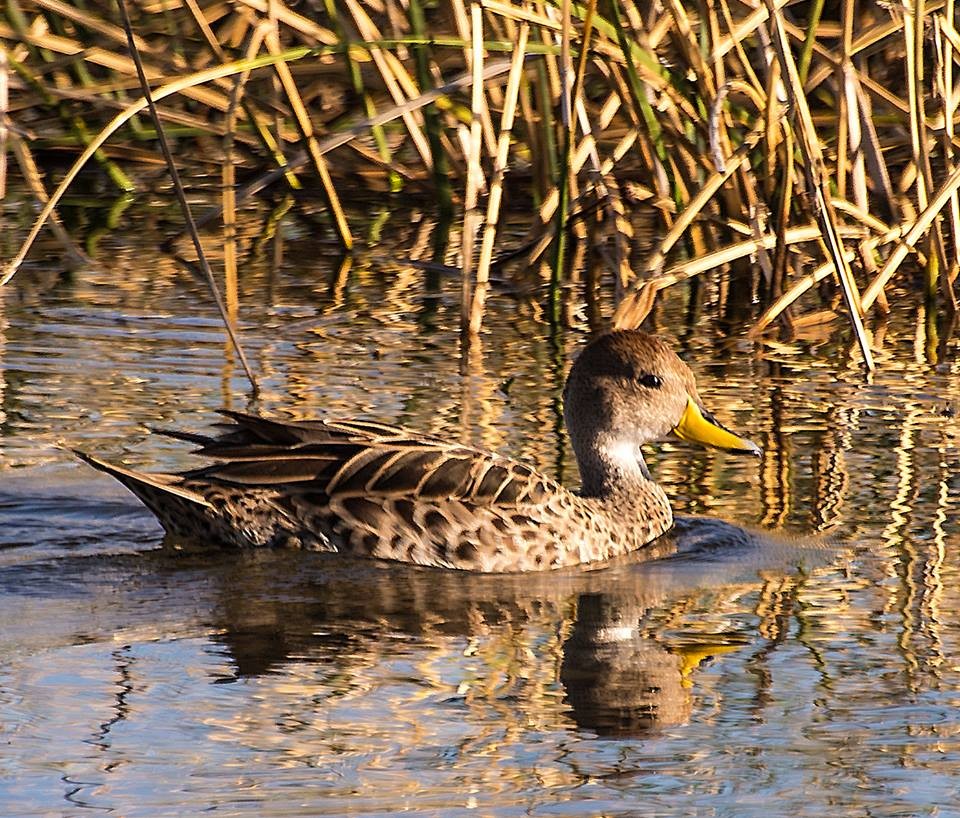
(770, 133)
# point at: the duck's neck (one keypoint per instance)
(611, 466)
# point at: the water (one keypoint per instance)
(814, 670)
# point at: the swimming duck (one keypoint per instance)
(374, 490)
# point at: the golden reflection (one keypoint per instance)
(920, 345)
(3, 363)
(921, 557)
(262, 243)
(418, 247)
(338, 283)
(398, 291)
(830, 477)
(230, 280)
(479, 391)
(230, 288)
(897, 540)
(775, 481)
(933, 576)
(774, 606)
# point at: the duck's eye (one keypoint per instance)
(649, 380)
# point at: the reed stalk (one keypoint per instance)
(4, 113)
(818, 184)
(471, 215)
(182, 197)
(431, 115)
(497, 180)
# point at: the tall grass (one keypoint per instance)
(799, 148)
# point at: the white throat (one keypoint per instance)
(624, 455)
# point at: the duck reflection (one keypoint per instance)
(616, 681)
(619, 677)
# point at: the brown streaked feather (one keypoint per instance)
(235, 452)
(344, 458)
(189, 437)
(278, 432)
(268, 472)
(281, 432)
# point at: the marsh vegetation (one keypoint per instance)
(789, 159)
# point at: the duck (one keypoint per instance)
(375, 490)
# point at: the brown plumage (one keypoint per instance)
(381, 491)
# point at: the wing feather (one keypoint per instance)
(356, 458)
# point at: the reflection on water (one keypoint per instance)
(311, 661)
(719, 673)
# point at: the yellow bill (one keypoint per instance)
(703, 428)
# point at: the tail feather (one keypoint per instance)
(150, 488)
(185, 510)
(189, 437)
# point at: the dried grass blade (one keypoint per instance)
(201, 21)
(391, 72)
(912, 38)
(106, 59)
(259, 121)
(431, 116)
(884, 235)
(872, 35)
(873, 151)
(113, 32)
(566, 167)
(290, 18)
(702, 198)
(833, 61)
(914, 234)
(486, 123)
(845, 112)
(771, 313)
(628, 315)
(913, 27)
(471, 215)
(228, 174)
(745, 29)
(4, 107)
(496, 183)
(305, 125)
(949, 96)
(817, 181)
(720, 43)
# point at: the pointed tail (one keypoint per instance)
(179, 510)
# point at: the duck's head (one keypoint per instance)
(626, 389)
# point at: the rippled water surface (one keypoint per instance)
(807, 666)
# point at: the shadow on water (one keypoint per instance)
(269, 608)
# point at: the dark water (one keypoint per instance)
(813, 670)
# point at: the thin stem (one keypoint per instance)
(182, 196)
